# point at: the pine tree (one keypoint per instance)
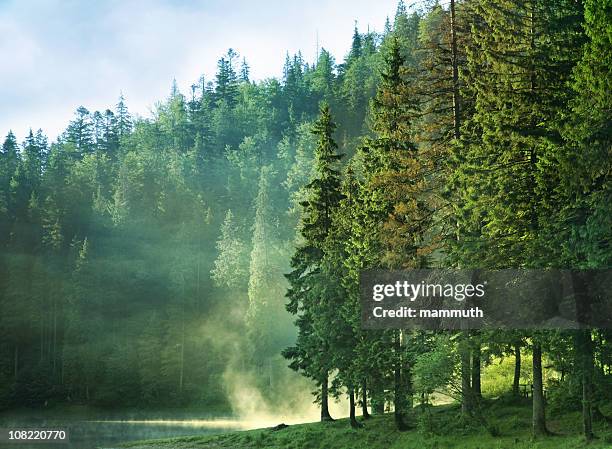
(10, 159)
(245, 71)
(356, 46)
(108, 143)
(174, 121)
(123, 124)
(265, 292)
(396, 186)
(323, 77)
(226, 88)
(307, 299)
(34, 150)
(296, 89)
(229, 269)
(354, 367)
(443, 106)
(405, 30)
(80, 132)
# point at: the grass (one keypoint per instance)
(439, 428)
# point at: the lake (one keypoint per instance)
(92, 430)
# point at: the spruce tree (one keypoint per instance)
(9, 161)
(264, 290)
(123, 124)
(80, 132)
(307, 292)
(397, 191)
(226, 88)
(229, 267)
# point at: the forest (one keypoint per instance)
(170, 260)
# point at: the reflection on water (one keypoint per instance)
(92, 434)
(90, 428)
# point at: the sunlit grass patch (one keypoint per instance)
(513, 422)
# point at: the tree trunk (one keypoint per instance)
(587, 412)
(353, 419)
(466, 386)
(325, 416)
(364, 400)
(584, 352)
(399, 400)
(538, 414)
(583, 346)
(517, 370)
(476, 388)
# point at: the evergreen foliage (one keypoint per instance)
(142, 259)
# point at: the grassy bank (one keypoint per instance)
(440, 429)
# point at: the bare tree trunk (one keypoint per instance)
(325, 416)
(584, 355)
(583, 346)
(476, 388)
(587, 409)
(517, 370)
(364, 400)
(466, 385)
(538, 413)
(352, 418)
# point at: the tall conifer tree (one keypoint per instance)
(306, 294)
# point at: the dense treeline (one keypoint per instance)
(489, 148)
(143, 258)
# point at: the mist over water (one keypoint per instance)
(108, 431)
(293, 405)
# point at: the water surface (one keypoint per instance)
(92, 432)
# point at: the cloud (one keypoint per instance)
(62, 54)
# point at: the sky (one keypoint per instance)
(61, 54)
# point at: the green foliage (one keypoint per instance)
(229, 269)
(310, 293)
(379, 433)
(141, 259)
(436, 369)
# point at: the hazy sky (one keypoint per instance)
(59, 54)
